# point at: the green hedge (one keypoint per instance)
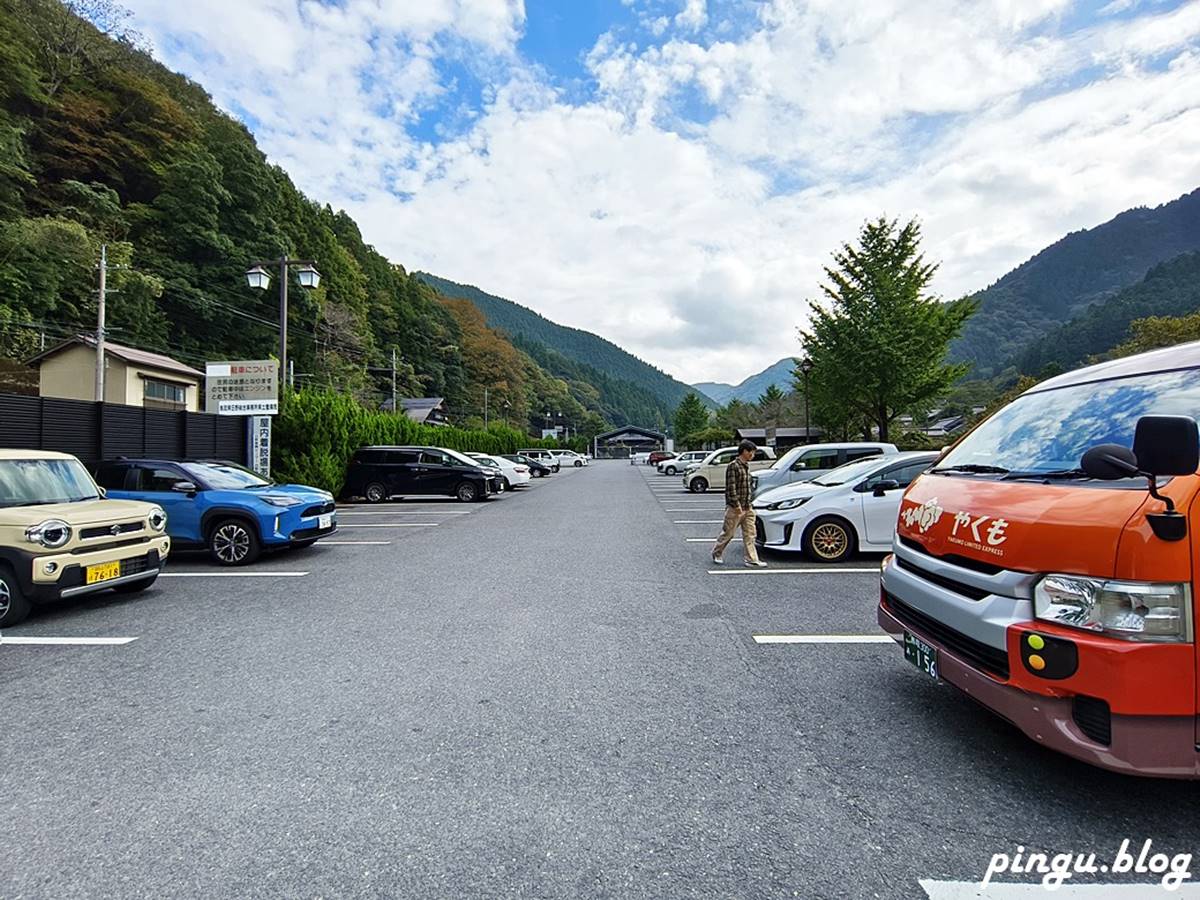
(316, 433)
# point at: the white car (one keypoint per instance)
(638, 459)
(512, 475)
(677, 464)
(545, 457)
(569, 458)
(847, 509)
(710, 471)
(806, 462)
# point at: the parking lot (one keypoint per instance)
(554, 693)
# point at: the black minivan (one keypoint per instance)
(377, 473)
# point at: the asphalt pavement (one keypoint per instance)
(551, 694)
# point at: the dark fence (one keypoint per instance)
(96, 431)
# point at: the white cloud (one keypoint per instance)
(686, 208)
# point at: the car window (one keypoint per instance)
(399, 457)
(111, 476)
(725, 458)
(368, 457)
(861, 453)
(433, 458)
(761, 455)
(903, 475)
(816, 459)
(156, 478)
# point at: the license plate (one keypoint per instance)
(102, 572)
(921, 655)
(326, 521)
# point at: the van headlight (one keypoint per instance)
(52, 534)
(1132, 610)
(157, 519)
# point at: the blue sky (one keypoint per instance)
(673, 174)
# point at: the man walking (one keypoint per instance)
(738, 510)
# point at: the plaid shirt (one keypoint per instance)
(737, 484)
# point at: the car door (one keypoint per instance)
(155, 483)
(880, 513)
(714, 472)
(434, 473)
(399, 472)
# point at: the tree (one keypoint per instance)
(1158, 331)
(878, 342)
(690, 416)
(772, 406)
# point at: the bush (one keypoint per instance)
(316, 433)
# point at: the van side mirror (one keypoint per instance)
(1110, 462)
(1167, 445)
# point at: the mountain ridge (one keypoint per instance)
(753, 387)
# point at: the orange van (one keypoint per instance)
(1044, 565)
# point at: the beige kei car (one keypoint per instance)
(710, 472)
(60, 538)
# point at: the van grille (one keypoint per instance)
(949, 584)
(965, 561)
(977, 653)
(321, 509)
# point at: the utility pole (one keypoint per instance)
(394, 380)
(283, 317)
(100, 323)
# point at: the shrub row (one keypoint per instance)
(316, 433)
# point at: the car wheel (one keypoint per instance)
(578, 464)
(136, 587)
(671, 470)
(13, 605)
(375, 493)
(467, 492)
(698, 485)
(232, 542)
(539, 474)
(505, 484)
(829, 540)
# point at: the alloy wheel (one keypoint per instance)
(5, 598)
(231, 543)
(830, 541)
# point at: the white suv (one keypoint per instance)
(677, 464)
(806, 462)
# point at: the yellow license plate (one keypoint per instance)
(103, 572)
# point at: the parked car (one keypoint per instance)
(807, 461)
(569, 458)
(853, 507)
(379, 473)
(536, 469)
(60, 538)
(710, 471)
(638, 459)
(512, 475)
(659, 456)
(545, 457)
(676, 464)
(234, 513)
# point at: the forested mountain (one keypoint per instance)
(1060, 282)
(779, 375)
(1169, 289)
(580, 346)
(99, 144)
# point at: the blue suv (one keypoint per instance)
(222, 506)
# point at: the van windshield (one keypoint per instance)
(1050, 431)
(33, 482)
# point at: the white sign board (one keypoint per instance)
(242, 388)
(258, 436)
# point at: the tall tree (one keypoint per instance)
(690, 416)
(878, 341)
(772, 406)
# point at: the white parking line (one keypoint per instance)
(69, 641)
(711, 540)
(693, 509)
(970, 890)
(233, 575)
(355, 543)
(823, 639)
(874, 571)
(392, 525)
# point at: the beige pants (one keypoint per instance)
(733, 519)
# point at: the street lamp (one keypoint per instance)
(806, 366)
(258, 278)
